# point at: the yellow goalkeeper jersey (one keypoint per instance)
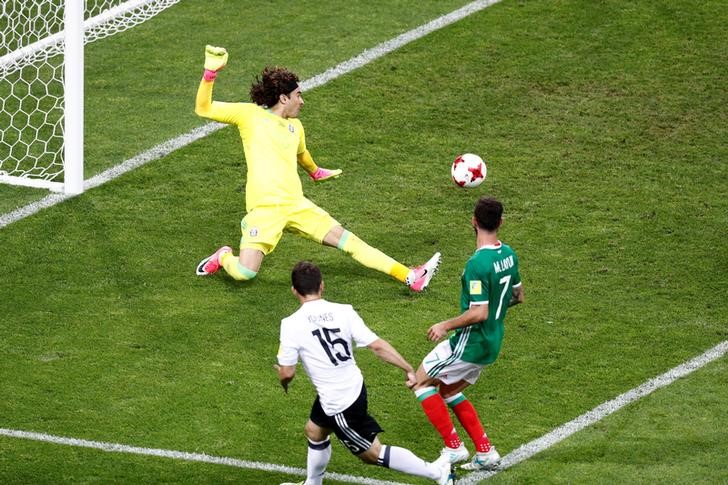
(271, 145)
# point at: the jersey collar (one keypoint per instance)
(497, 245)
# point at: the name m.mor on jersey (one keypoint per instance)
(503, 264)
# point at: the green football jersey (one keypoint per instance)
(489, 277)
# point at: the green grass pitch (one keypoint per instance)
(604, 128)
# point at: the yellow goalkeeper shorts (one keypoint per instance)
(263, 226)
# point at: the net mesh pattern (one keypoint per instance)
(31, 76)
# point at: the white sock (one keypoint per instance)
(319, 454)
(403, 460)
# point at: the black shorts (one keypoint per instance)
(354, 426)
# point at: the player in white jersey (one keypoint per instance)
(321, 334)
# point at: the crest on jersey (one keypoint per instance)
(253, 232)
(476, 287)
(290, 128)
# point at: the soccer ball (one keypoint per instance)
(468, 170)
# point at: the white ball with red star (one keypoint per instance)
(468, 170)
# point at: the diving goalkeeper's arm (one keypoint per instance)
(215, 60)
(317, 174)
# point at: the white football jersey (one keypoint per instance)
(321, 333)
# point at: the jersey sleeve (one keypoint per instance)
(215, 110)
(477, 286)
(301, 138)
(229, 113)
(360, 333)
(516, 274)
(287, 348)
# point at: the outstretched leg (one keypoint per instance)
(403, 460)
(416, 278)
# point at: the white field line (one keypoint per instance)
(526, 451)
(182, 455)
(520, 454)
(181, 141)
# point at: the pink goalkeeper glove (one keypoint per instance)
(324, 174)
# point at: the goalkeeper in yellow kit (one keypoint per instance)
(275, 144)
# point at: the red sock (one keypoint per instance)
(436, 411)
(468, 417)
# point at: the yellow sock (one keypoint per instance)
(232, 266)
(372, 257)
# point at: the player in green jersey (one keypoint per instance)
(490, 284)
(274, 143)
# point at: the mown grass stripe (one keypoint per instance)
(522, 453)
(164, 149)
(538, 445)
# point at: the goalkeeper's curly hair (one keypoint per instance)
(272, 82)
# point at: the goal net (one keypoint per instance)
(41, 83)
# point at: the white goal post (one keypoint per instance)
(41, 83)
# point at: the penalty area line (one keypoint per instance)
(164, 149)
(182, 455)
(538, 445)
(522, 453)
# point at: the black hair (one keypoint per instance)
(306, 278)
(488, 213)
